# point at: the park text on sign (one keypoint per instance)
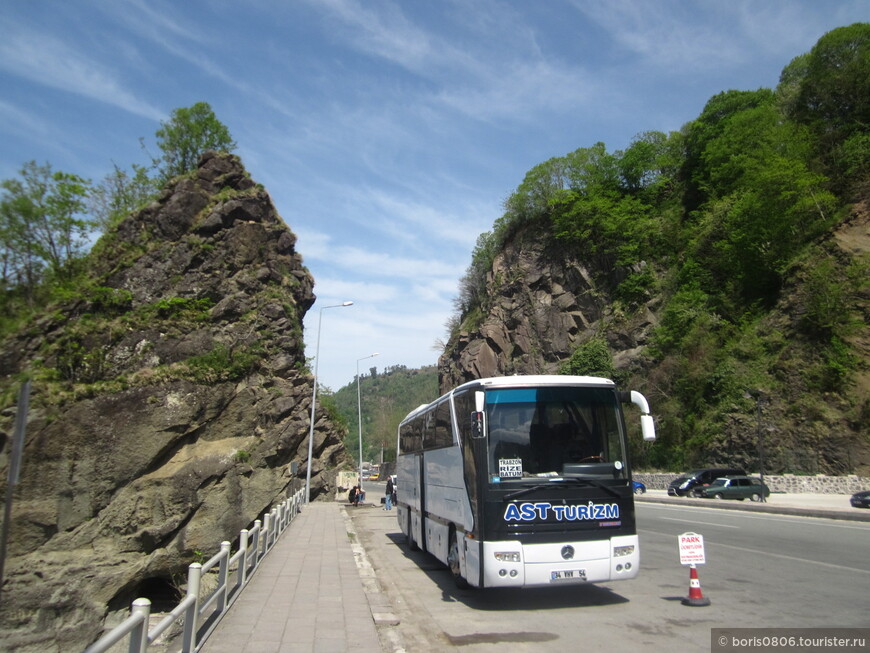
(691, 549)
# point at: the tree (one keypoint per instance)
(120, 193)
(830, 92)
(42, 223)
(188, 134)
(592, 358)
(769, 202)
(834, 93)
(706, 128)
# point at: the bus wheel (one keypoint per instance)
(453, 562)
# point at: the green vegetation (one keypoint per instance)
(190, 132)
(721, 222)
(387, 397)
(48, 218)
(592, 358)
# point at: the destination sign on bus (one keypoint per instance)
(543, 511)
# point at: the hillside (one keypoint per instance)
(731, 256)
(170, 406)
(386, 398)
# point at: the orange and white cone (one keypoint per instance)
(696, 597)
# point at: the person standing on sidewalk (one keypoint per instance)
(389, 499)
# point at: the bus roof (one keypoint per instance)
(520, 381)
(537, 380)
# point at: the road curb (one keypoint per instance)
(757, 507)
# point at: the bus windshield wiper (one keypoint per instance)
(592, 481)
(527, 490)
(570, 480)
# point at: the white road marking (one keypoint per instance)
(695, 521)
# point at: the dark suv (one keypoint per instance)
(693, 482)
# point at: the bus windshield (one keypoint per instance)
(554, 432)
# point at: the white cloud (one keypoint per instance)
(362, 292)
(44, 59)
(387, 34)
(13, 119)
(670, 34)
(318, 246)
(520, 91)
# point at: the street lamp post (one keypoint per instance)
(314, 400)
(359, 413)
(759, 397)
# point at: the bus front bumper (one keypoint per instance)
(513, 564)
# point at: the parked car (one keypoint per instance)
(860, 499)
(639, 488)
(691, 483)
(736, 487)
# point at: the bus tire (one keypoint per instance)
(453, 561)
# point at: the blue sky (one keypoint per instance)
(387, 133)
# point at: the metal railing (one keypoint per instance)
(253, 546)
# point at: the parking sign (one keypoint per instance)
(691, 549)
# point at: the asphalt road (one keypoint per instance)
(762, 571)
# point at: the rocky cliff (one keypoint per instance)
(170, 401)
(543, 301)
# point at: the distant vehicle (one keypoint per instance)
(375, 477)
(638, 487)
(860, 499)
(693, 482)
(736, 487)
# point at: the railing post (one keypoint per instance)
(139, 635)
(243, 558)
(194, 574)
(255, 542)
(267, 529)
(223, 576)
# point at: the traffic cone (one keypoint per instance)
(696, 597)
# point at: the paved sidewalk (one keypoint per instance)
(306, 597)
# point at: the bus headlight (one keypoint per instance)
(620, 551)
(507, 556)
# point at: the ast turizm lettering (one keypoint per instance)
(543, 511)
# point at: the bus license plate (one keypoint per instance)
(577, 575)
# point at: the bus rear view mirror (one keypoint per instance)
(648, 428)
(476, 425)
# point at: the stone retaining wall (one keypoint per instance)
(787, 483)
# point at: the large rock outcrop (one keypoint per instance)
(170, 402)
(542, 302)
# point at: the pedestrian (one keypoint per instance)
(389, 499)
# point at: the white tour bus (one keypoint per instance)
(522, 481)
